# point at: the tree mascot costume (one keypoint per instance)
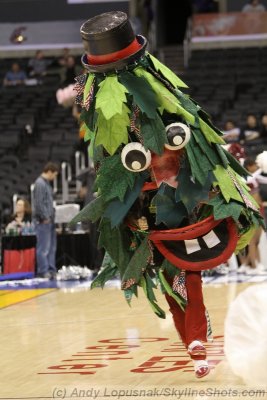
(171, 201)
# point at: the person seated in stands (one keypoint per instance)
(250, 134)
(254, 6)
(231, 132)
(38, 65)
(263, 128)
(71, 71)
(205, 6)
(15, 76)
(21, 217)
(62, 60)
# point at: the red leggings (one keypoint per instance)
(191, 324)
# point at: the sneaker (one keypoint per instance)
(196, 350)
(222, 269)
(254, 271)
(242, 269)
(44, 276)
(52, 276)
(201, 368)
(261, 268)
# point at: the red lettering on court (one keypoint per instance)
(142, 340)
(116, 349)
(151, 365)
(111, 351)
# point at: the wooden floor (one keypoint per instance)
(82, 343)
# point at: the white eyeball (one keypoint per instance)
(135, 157)
(178, 135)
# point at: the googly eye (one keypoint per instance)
(135, 157)
(178, 135)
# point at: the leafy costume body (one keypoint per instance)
(158, 157)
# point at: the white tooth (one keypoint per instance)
(211, 239)
(192, 246)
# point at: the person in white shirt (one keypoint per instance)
(251, 263)
(254, 6)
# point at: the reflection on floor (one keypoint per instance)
(37, 283)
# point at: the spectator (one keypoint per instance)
(62, 60)
(38, 65)
(251, 131)
(15, 76)
(44, 218)
(205, 6)
(251, 263)
(254, 6)
(21, 217)
(71, 71)
(263, 128)
(231, 132)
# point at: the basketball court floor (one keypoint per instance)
(63, 340)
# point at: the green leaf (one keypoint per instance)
(226, 184)
(128, 293)
(88, 117)
(157, 310)
(88, 85)
(88, 134)
(222, 210)
(117, 210)
(110, 97)
(167, 73)
(245, 239)
(113, 132)
(142, 93)
(210, 134)
(171, 270)
(224, 159)
(137, 264)
(104, 275)
(179, 300)
(244, 188)
(113, 179)
(235, 165)
(199, 162)
(187, 103)
(206, 147)
(192, 193)
(154, 134)
(166, 99)
(203, 161)
(168, 210)
(91, 212)
(116, 242)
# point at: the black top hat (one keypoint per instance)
(110, 43)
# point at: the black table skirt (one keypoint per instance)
(72, 249)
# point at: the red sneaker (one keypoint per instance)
(202, 370)
(197, 351)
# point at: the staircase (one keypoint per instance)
(173, 57)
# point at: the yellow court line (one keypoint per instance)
(4, 292)
(17, 296)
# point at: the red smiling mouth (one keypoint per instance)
(199, 246)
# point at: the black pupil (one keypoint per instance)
(135, 155)
(174, 131)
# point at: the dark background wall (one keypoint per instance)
(237, 5)
(53, 10)
(171, 25)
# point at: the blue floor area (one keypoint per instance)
(41, 283)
